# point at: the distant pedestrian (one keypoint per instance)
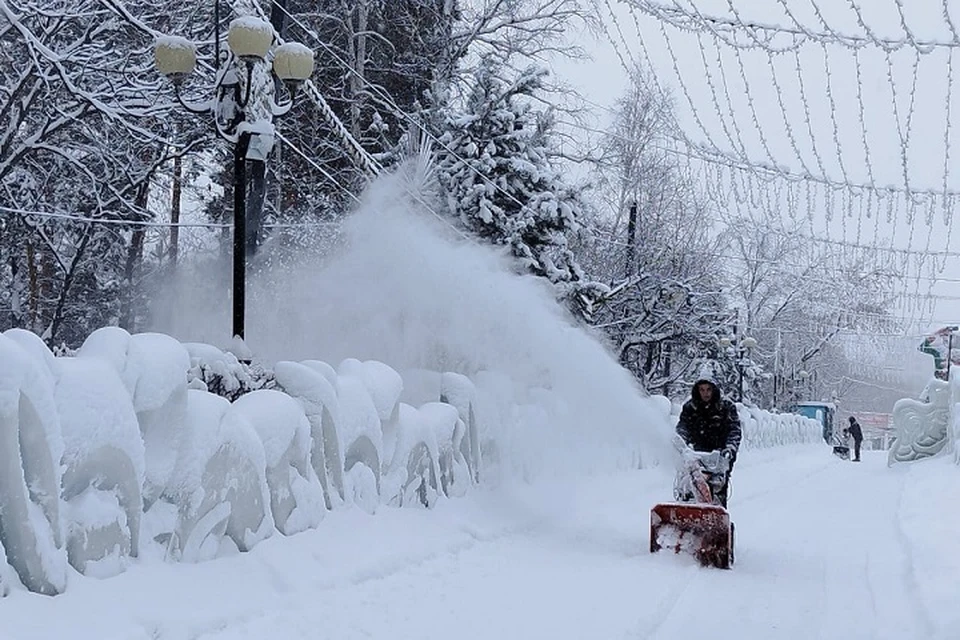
(857, 434)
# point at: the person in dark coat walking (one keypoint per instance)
(857, 433)
(709, 422)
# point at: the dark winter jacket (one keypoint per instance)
(854, 430)
(710, 427)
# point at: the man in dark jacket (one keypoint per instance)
(857, 433)
(709, 422)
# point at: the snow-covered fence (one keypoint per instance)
(763, 429)
(122, 451)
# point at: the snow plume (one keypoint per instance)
(408, 290)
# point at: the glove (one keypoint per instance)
(727, 453)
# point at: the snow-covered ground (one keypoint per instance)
(825, 549)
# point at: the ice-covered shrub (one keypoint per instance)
(296, 497)
(459, 391)
(362, 439)
(103, 466)
(318, 398)
(30, 449)
(218, 489)
(154, 368)
(413, 474)
(450, 430)
(222, 374)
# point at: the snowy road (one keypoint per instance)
(826, 549)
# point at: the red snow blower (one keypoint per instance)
(696, 523)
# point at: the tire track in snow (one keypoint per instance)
(669, 604)
(908, 569)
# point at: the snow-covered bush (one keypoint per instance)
(30, 449)
(362, 439)
(103, 466)
(413, 475)
(296, 497)
(459, 391)
(154, 368)
(218, 487)
(221, 373)
(450, 430)
(318, 399)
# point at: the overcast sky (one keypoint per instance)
(807, 135)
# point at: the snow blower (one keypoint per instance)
(696, 523)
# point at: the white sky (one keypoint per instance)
(603, 79)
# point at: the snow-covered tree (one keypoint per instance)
(651, 240)
(499, 179)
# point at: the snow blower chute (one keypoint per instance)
(696, 523)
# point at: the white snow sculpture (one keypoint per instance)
(921, 428)
(413, 475)
(154, 369)
(444, 420)
(30, 451)
(318, 398)
(218, 487)
(459, 391)
(103, 464)
(296, 497)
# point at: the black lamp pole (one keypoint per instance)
(240, 231)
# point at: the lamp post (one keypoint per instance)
(743, 348)
(246, 99)
(804, 376)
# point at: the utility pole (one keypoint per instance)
(631, 239)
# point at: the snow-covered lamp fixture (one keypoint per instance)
(293, 62)
(175, 57)
(748, 343)
(804, 374)
(725, 342)
(250, 38)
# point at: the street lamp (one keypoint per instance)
(747, 344)
(245, 101)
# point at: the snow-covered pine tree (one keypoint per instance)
(496, 172)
